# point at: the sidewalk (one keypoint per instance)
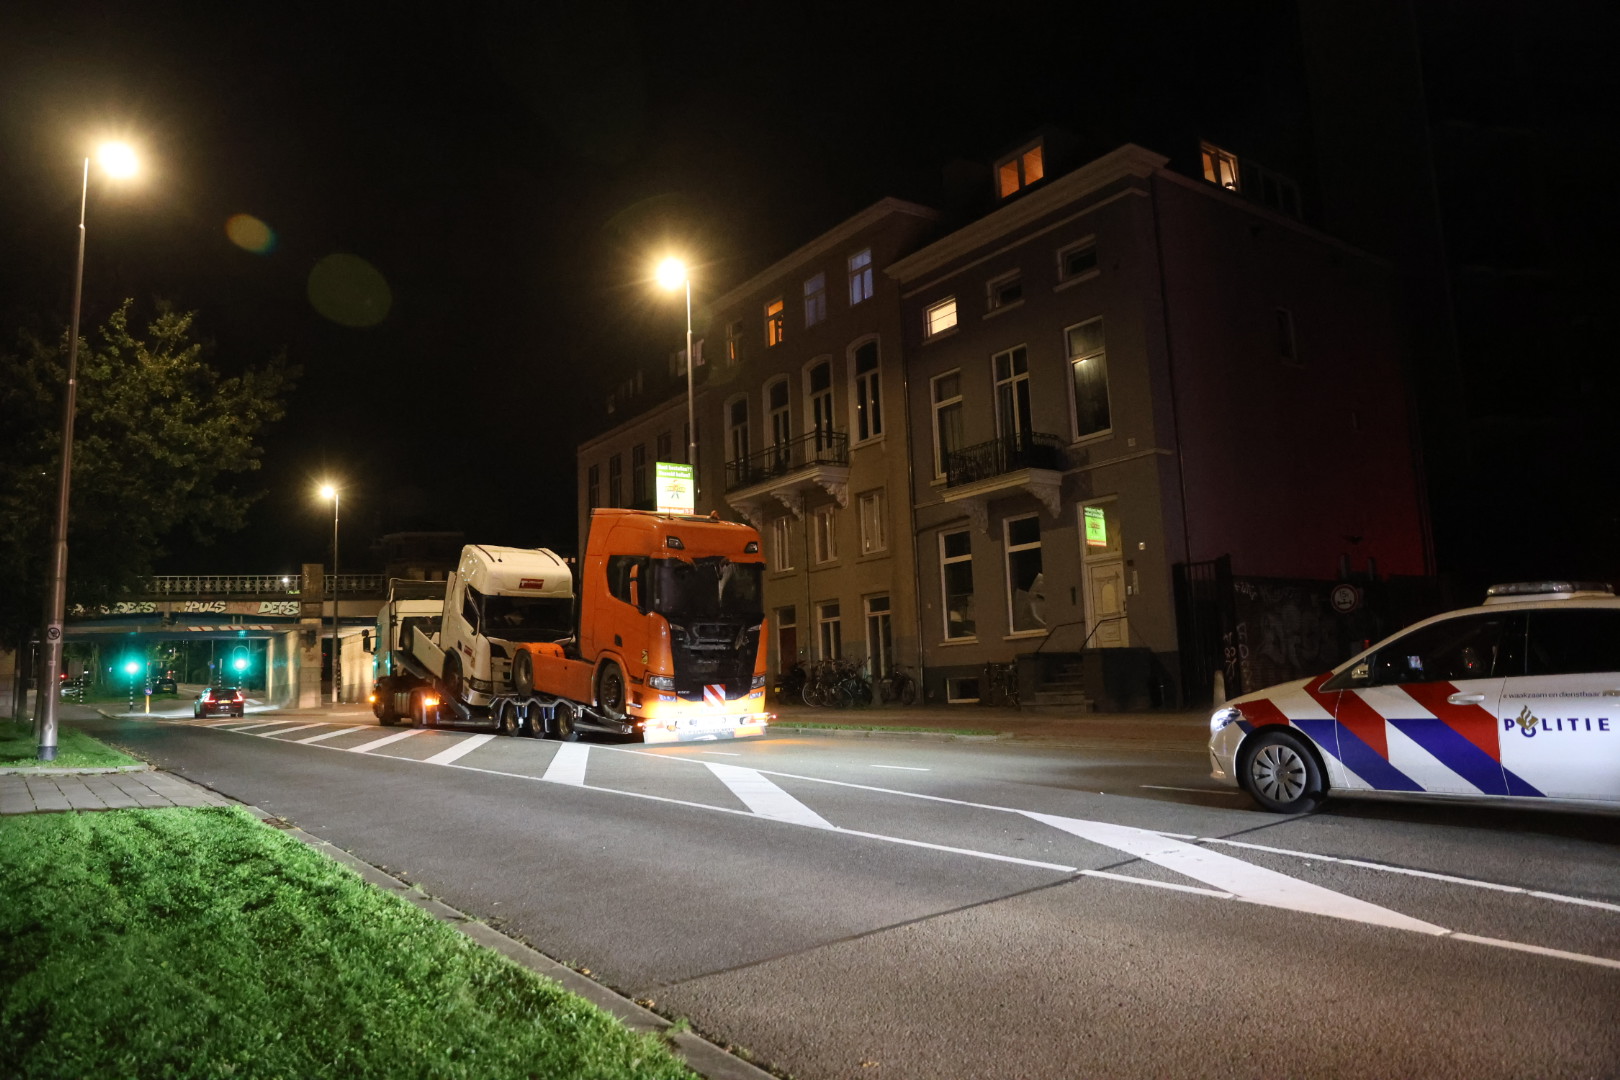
(44, 790)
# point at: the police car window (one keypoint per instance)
(1473, 647)
(1574, 642)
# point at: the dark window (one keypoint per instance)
(618, 574)
(1577, 642)
(469, 608)
(1471, 647)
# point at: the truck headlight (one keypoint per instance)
(1222, 717)
(661, 682)
(758, 683)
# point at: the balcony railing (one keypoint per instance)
(811, 448)
(1006, 454)
(257, 585)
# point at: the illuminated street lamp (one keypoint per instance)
(118, 161)
(330, 492)
(671, 274)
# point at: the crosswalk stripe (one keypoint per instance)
(568, 766)
(765, 798)
(255, 727)
(460, 749)
(1245, 881)
(289, 731)
(365, 748)
(327, 735)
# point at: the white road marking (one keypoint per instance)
(907, 768)
(255, 727)
(1195, 790)
(460, 749)
(1172, 885)
(721, 753)
(1245, 881)
(366, 748)
(765, 798)
(289, 731)
(568, 767)
(1601, 961)
(1409, 872)
(327, 735)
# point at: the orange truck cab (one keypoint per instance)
(671, 626)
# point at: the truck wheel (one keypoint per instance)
(562, 723)
(610, 695)
(452, 677)
(423, 715)
(506, 717)
(523, 673)
(383, 707)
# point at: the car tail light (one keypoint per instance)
(238, 696)
(210, 696)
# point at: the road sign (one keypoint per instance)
(1345, 598)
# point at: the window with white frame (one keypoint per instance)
(734, 343)
(824, 526)
(1018, 171)
(829, 630)
(874, 525)
(1026, 590)
(781, 553)
(815, 299)
(778, 422)
(1014, 411)
(775, 322)
(860, 276)
(962, 690)
(819, 391)
(946, 391)
(879, 636)
(868, 392)
(1220, 166)
(1088, 360)
(737, 428)
(638, 474)
(939, 317)
(1003, 291)
(1077, 260)
(593, 487)
(956, 584)
(1287, 347)
(616, 480)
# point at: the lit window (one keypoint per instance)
(868, 396)
(860, 276)
(1220, 166)
(826, 534)
(940, 317)
(774, 324)
(1022, 169)
(947, 397)
(815, 300)
(1089, 361)
(1026, 599)
(956, 584)
(1077, 260)
(874, 534)
(781, 553)
(734, 343)
(1004, 291)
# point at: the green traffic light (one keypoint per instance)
(131, 667)
(240, 663)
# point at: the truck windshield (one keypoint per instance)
(706, 588)
(528, 618)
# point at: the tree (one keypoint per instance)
(159, 442)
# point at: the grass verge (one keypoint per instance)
(884, 727)
(192, 943)
(74, 750)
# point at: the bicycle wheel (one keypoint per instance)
(860, 691)
(905, 689)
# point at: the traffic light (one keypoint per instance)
(240, 661)
(132, 667)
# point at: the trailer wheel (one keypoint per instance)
(610, 695)
(506, 718)
(562, 723)
(523, 673)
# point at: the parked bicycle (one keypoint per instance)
(1000, 686)
(897, 685)
(836, 684)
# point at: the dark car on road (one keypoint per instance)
(220, 701)
(164, 685)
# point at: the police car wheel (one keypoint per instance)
(1281, 774)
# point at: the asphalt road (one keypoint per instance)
(902, 908)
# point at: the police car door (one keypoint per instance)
(1426, 719)
(1561, 719)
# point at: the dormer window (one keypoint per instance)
(1015, 173)
(1220, 166)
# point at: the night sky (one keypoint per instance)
(499, 178)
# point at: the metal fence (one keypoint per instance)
(258, 585)
(1008, 453)
(818, 447)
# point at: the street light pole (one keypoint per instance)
(337, 661)
(691, 421)
(56, 595)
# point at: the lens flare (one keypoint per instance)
(349, 291)
(250, 234)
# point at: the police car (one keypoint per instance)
(1516, 699)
